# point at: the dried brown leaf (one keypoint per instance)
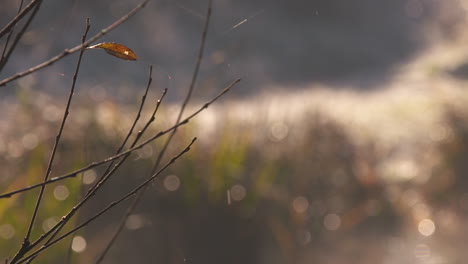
(117, 50)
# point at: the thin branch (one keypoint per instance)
(64, 220)
(67, 52)
(26, 243)
(17, 18)
(191, 87)
(20, 34)
(10, 34)
(111, 205)
(108, 171)
(143, 99)
(103, 179)
(136, 140)
(140, 194)
(185, 121)
(109, 159)
(198, 63)
(68, 257)
(69, 254)
(135, 121)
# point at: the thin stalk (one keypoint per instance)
(69, 255)
(20, 34)
(10, 34)
(111, 205)
(111, 158)
(109, 171)
(26, 243)
(106, 176)
(140, 194)
(18, 17)
(135, 121)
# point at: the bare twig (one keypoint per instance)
(56, 229)
(136, 140)
(191, 87)
(106, 176)
(18, 17)
(140, 194)
(67, 52)
(198, 63)
(68, 257)
(108, 172)
(26, 243)
(111, 205)
(185, 121)
(135, 121)
(9, 35)
(143, 99)
(4, 59)
(109, 159)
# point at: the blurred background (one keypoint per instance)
(345, 142)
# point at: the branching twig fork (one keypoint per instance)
(109, 159)
(185, 121)
(111, 205)
(26, 243)
(56, 229)
(104, 178)
(110, 170)
(140, 194)
(135, 121)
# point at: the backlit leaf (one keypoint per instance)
(117, 50)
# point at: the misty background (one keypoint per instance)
(266, 43)
(345, 142)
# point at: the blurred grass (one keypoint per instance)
(258, 187)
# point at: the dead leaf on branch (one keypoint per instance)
(117, 50)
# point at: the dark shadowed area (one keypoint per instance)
(265, 42)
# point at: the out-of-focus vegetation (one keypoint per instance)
(260, 187)
(310, 176)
